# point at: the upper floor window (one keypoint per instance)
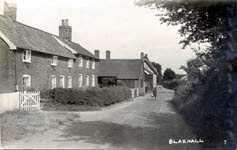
(53, 81)
(70, 63)
(54, 61)
(69, 82)
(93, 64)
(26, 56)
(61, 82)
(87, 62)
(26, 81)
(80, 59)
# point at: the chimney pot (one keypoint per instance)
(62, 22)
(107, 54)
(97, 53)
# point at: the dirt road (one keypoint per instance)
(139, 124)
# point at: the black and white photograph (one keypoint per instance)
(118, 74)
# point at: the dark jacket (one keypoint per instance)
(155, 91)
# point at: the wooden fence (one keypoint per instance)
(9, 101)
(23, 100)
(29, 100)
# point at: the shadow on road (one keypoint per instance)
(125, 136)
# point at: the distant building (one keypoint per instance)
(34, 59)
(138, 74)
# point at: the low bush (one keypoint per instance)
(91, 97)
(45, 94)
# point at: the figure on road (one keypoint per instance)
(155, 92)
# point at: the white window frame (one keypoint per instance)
(69, 82)
(62, 81)
(70, 63)
(80, 60)
(26, 56)
(87, 80)
(93, 80)
(54, 61)
(93, 64)
(53, 81)
(80, 80)
(28, 84)
(87, 62)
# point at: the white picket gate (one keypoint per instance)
(29, 100)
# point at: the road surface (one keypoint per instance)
(142, 123)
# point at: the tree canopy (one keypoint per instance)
(201, 21)
(158, 67)
(169, 74)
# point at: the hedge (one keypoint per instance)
(171, 84)
(202, 106)
(92, 96)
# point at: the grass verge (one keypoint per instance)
(17, 124)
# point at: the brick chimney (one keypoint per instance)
(65, 31)
(97, 53)
(142, 55)
(10, 9)
(107, 54)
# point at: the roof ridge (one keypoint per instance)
(34, 28)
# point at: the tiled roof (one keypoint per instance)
(27, 37)
(121, 68)
(81, 50)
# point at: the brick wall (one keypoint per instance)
(6, 62)
(40, 70)
(3, 66)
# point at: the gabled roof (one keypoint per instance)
(26, 37)
(121, 68)
(145, 59)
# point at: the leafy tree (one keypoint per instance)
(194, 70)
(201, 21)
(169, 74)
(159, 69)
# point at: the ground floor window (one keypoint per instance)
(93, 80)
(69, 82)
(80, 80)
(26, 81)
(87, 80)
(61, 82)
(53, 81)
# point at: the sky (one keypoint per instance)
(116, 25)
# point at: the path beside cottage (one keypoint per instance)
(139, 124)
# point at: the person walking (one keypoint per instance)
(154, 91)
